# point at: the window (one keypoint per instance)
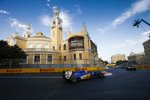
(64, 58)
(28, 36)
(64, 46)
(59, 47)
(38, 46)
(46, 46)
(37, 59)
(30, 45)
(53, 47)
(76, 42)
(74, 56)
(93, 46)
(80, 56)
(49, 58)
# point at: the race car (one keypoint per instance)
(81, 75)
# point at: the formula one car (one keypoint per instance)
(81, 75)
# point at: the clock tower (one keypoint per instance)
(56, 30)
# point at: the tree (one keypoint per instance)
(10, 52)
(105, 62)
(10, 56)
(121, 62)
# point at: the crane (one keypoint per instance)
(137, 22)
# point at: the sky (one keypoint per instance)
(109, 22)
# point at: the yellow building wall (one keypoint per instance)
(30, 59)
(56, 37)
(35, 42)
(43, 58)
(21, 43)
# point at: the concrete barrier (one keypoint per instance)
(141, 67)
(46, 70)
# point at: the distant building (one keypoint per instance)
(146, 45)
(138, 58)
(117, 57)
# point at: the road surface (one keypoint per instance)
(121, 85)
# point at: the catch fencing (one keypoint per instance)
(53, 63)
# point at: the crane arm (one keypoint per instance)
(145, 22)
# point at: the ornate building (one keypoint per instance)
(146, 45)
(78, 49)
(138, 58)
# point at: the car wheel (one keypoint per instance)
(100, 75)
(73, 79)
(91, 76)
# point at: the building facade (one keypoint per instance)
(77, 49)
(146, 45)
(117, 57)
(139, 58)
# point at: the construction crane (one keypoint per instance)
(137, 23)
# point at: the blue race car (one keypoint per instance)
(81, 75)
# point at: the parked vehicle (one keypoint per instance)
(130, 68)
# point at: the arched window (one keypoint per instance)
(46, 46)
(30, 45)
(64, 58)
(64, 46)
(53, 47)
(38, 45)
(74, 56)
(80, 56)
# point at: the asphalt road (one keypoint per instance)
(121, 85)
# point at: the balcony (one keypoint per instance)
(38, 49)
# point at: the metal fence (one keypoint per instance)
(45, 63)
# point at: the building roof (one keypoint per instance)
(146, 41)
(137, 54)
(39, 37)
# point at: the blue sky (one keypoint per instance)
(109, 22)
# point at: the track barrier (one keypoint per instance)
(46, 70)
(141, 67)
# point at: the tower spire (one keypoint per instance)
(56, 21)
(56, 11)
(28, 32)
(84, 30)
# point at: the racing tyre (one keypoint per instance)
(73, 79)
(101, 75)
(91, 76)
